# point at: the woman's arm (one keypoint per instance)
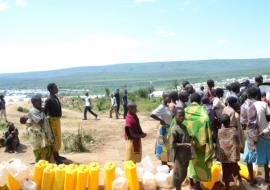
(157, 118)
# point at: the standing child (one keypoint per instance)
(53, 110)
(113, 106)
(39, 130)
(133, 134)
(228, 150)
(125, 103)
(180, 144)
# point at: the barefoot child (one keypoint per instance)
(39, 130)
(228, 151)
(133, 134)
(180, 144)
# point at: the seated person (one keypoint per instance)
(11, 138)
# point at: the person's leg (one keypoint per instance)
(118, 107)
(227, 173)
(177, 175)
(1, 114)
(250, 172)
(37, 154)
(93, 113)
(198, 185)
(116, 112)
(227, 185)
(55, 124)
(49, 154)
(191, 183)
(111, 110)
(5, 115)
(85, 113)
(266, 173)
(125, 111)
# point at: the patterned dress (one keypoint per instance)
(198, 126)
(161, 148)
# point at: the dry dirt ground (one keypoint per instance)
(109, 143)
(108, 133)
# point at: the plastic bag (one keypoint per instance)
(163, 169)
(120, 184)
(149, 181)
(29, 185)
(148, 164)
(164, 180)
(3, 174)
(18, 170)
(119, 172)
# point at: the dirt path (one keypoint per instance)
(108, 133)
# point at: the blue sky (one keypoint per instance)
(51, 34)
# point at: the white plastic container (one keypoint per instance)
(164, 180)
(119, 172)
(120, 184)
(140, 172)
(163, 169)
(149, 181)
(148, 164)
(17, 169)
(29, 185)
(3, 174)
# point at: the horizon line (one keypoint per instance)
(112, 64)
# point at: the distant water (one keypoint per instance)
(24, 95)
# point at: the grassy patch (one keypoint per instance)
(79, 142)
(22, 109)
(24, 136)
(103, 104)
(3, 126)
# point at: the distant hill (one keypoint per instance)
(134, 75)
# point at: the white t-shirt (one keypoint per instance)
(113, 102)
(163, 112)
(262, 111)
(218, 106)
(87, 101)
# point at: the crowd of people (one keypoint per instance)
(115, 104)
(196, 128)
(199, 127)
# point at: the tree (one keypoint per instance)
(175, 84)
(107, 92)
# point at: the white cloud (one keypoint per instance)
(165, 33)
(20, 2)
(144, 1)
(3, 5)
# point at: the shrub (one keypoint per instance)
(77, 142)
(3, 126)
(142, 92)
(102, 104)
(107, 92)
(22, 109)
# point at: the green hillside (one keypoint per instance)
(160, 74)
